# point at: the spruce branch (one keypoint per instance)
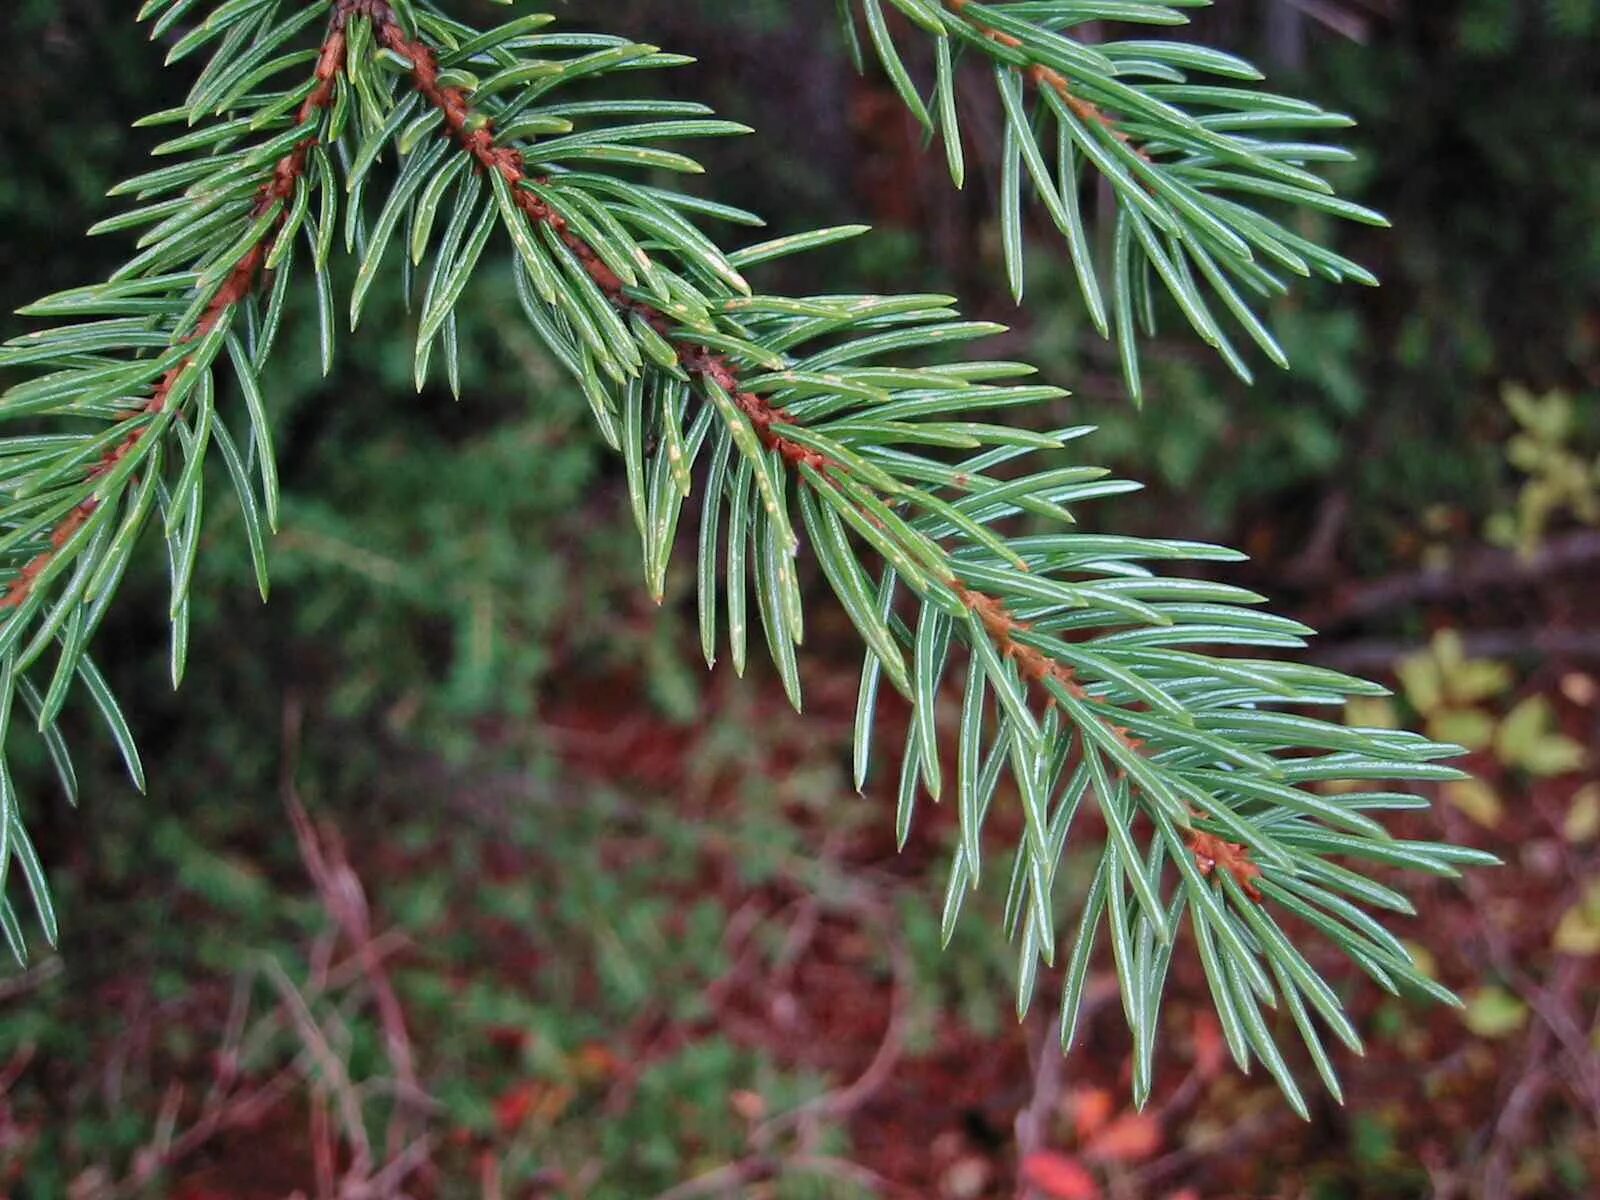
(240, 282)
(146, 373)
(1189, 163)
(1058, 687)
(476, 135)
(842, 422)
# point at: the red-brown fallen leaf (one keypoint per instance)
(1091, 1109)
(1130, 1138)
(540, 1103)
(594, 1060)
(748, 1105)
(508, 1039)
(514, 1105)
(1059, 1177)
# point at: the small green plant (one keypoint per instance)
(394, 137)
(1461, 700)
(1560, 480)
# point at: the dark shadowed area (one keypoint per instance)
(459, 875)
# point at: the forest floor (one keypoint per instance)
(686, 960)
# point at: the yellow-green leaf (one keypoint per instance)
(1583, 815)
(1477, 799)
(1493, 1012)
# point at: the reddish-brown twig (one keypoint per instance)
(1048, 77)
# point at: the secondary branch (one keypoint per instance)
(278, 190)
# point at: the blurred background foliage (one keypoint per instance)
(644, 911)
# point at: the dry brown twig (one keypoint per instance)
(235, 1101)
(313, 1011)
(1032, 1126)
(845, 1100)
